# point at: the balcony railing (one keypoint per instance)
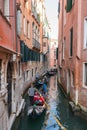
(36, 44)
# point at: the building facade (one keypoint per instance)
(72, 50)
(9, 62)
(53, 53)
(21, 54)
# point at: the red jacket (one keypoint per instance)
(37, 97)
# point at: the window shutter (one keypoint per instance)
(56, 53)
(69, 5)
(22, 50)
(19, 22)
(58, 7)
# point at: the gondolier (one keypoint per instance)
(31, 92)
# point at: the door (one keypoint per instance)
(9, 87)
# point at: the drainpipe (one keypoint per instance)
(62, 26)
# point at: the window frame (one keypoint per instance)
(72, 79)
(28, 29)
(85, 86)
(24, 25)
(85, 34)
(71, 43)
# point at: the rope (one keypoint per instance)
(56, 119)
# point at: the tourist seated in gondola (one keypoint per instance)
(38, 99)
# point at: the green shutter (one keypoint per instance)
(69, 5)
(22, 50)
(56, 53)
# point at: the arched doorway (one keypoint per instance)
(9, 87)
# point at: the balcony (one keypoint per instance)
(35, 14)
(36, 44)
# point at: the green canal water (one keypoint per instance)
(58, 106)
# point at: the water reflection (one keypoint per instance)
(52, 102)
(58, 106)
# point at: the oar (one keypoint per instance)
(56, 119)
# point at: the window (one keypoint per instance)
(64, 17)
(28, 29)
(24, 25)
(0, 72)
(19, 68)
(64, 48)
(33, 29)
(56, 53)
(85, 33)
(19, 22)
(38, 35)
(27, 73)
(72, 79)
(44, 44)
(35, 70)
(2, 6)
(69, 5)
(73, 2)
(32, 72)
(85, 74)
(6, 8)
(58, 7)
(24, 76)
(25, 2)
(71, 41)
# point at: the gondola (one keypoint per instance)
(37, 107)
(38, 84)
(51, 72)
(36, 110)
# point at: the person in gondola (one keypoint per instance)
(45, 80)
(31, 92)
(44, 87)
(38, 99)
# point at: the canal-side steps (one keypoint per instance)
(22, 105)
(75, 108)
(78, 110)
(14, 116)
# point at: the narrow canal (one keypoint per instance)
(58, 106)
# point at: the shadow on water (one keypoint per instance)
(59, 106)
